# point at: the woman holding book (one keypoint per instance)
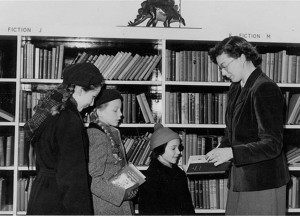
(253, 134)
(107, 155)
(62, 184)
(165, 191)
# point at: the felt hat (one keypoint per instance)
(161, 136)
(82, 74)
(107, 95)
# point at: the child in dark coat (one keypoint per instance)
(165, 191)
(62, 184)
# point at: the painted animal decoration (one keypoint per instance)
(158, 10)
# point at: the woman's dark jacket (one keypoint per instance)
(62, 185)
(165, 191)
(254, 131)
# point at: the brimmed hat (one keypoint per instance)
(82, 74)
(161, 136)
(107, 95)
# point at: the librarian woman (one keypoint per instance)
(253, 134)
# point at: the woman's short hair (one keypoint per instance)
(235, 46)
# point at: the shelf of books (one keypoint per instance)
(168, 81)
(195, 102)
(8, 89)
(131, 66)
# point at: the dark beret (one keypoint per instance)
(82, 74)
(107, 95)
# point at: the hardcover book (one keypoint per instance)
(128, 178)
(6, 115)
(197, 164)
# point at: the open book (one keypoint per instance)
(128, 178)
(198, 164)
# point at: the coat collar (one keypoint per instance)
(253, 77)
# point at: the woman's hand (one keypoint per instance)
(219, 155)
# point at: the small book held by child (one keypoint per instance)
(128, 178)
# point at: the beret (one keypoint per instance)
(161, 135)
(82, 74)
(107, 95)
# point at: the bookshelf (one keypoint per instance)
(8, 125)
(14, 82)
(180, 57)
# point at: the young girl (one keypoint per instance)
(165, 191)
(107, 155)
(62, 185)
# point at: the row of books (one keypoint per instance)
(196, 66)
(281, 67)
(130, 102)
(6, 196)
(26, 155)
(191, 66)
(195, 144)
(293, 112)
(28, 100)
(294, 193)
(209, 193)
(138, 149)
(205, 193)
(180, 66)
(39, 63)
(181, 108)
(122, 66)
(293, 155)
(195, 108)
(6, 151)
(23, 190)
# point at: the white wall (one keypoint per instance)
(210, 19)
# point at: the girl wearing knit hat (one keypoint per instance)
(107, 155)
(60, 142)
(165, 191)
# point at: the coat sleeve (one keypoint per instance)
(101, 187)
(72, 170)
(268, 109)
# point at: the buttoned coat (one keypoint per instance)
(107, 198)
(165, 191)
(254, 131)
(62, 185)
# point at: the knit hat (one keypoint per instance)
(107, 95)
(161, 136)
(82, 74)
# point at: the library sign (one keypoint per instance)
(21, 30)
(253, 36)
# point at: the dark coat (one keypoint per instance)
(254, 131)
(165, 191)
(62, 185)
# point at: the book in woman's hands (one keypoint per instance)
(198, 164)
(129, 178)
